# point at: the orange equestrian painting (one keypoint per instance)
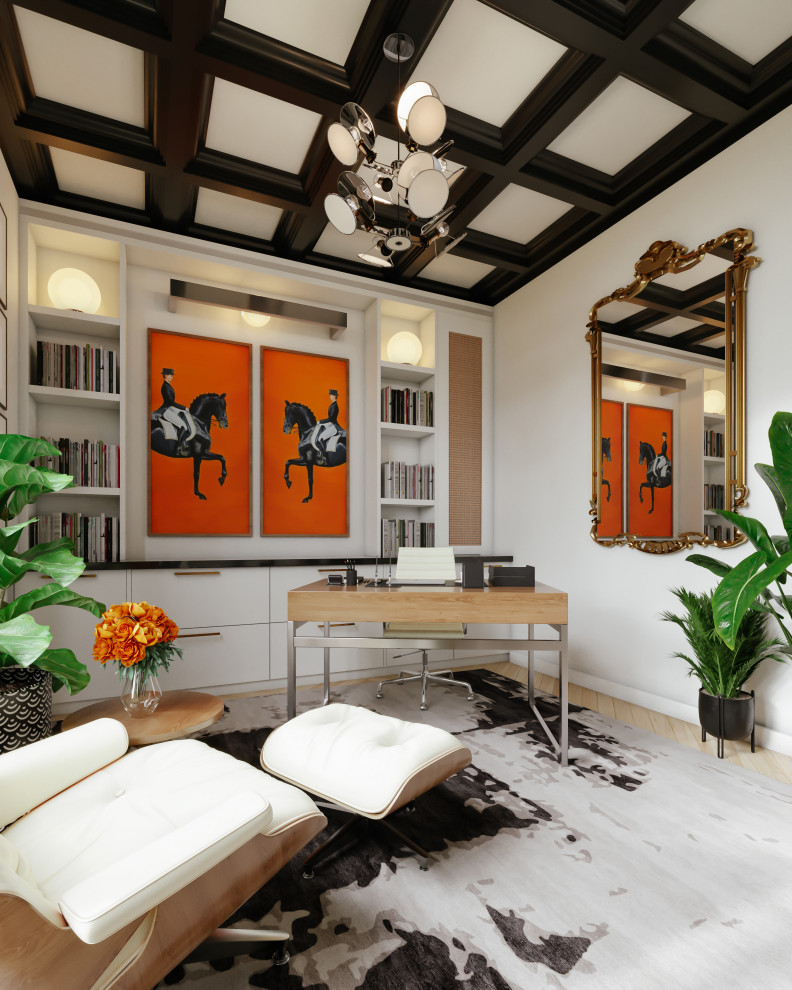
(304, 423)
(650, 455)
(200, 436)
(611, 498)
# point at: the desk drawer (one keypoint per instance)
(206, 596)
(312, 661)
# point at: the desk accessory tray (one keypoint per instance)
(512, 577)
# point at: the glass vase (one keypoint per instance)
(140, 692)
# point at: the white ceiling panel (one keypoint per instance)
(315, 26)
(338, 245)
(620, 124)
(675, 325)
(615, 312)
(259, 128)
(81, 69)
(519, 214)
(92, 177)
(455, 271)
(750, 30)
(217, 209)
(485, 63)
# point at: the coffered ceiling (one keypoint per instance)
(209, 117)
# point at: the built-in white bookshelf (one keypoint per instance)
(72, 362)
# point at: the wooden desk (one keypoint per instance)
(542, 605)
(178, 714)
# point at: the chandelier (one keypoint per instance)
(413, 189)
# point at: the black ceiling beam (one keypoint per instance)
(178, 111)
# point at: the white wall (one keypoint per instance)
(543, 428)
(10, 203)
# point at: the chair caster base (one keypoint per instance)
(378, 694)
(424, 868)
(423, 708)
(308, 874)
(281, 958)
(470, 697)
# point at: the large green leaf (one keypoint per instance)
(50, 594)
(67, 671)
(41, 549)
(738, 590)
(755, 532)
(19, 448)
(24, 639)
(60, 564)
(9, 535)
(767, 473)
(716, 566)
(12, 568)
(780, 434)
(21, 484)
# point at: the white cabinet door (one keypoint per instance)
(206, 596)
(311, 661)
(220, 657)
(282, 581)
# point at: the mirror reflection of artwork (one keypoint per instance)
(674, 338)
(650, 505)
(612, 479)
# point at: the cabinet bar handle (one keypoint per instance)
(196, 635)
(324, 570)
(46, 577)
(335, 625)
(193, 573)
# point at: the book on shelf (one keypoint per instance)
(77, 366)
(92, 463)
(401, 480)
(96, 538)
(714, 445)
(718, 532)
(405, 533)
(406, 406)
(714, 497)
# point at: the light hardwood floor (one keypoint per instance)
(763, 761)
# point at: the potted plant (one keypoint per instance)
(725, 709)
(747, 586)
(29, 668)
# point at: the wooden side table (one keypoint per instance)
(178, 714)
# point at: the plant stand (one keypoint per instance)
(732, 722)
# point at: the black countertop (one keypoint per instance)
(339, 562)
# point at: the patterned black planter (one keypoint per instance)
(727, 718)
(25, 706)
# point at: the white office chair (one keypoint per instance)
(425, 565)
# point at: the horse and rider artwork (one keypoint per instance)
(611, 478)
(199, 454)
(303, 450)
(643, 471)
(649, 471)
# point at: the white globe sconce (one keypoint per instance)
(70, 288)
(256, 319)
(714, 401)
(404, 348)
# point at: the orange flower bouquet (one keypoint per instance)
(138, 638)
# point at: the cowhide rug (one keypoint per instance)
(644, 865)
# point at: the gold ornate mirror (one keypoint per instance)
(668, 398)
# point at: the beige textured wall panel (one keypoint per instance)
(464, 440)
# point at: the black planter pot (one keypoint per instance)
(25, 706)
(727, 718)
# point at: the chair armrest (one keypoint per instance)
(34, 773)
(102, 904)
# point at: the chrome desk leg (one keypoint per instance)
(563, 695)
(326, 697)
(291, 672)
(531, 668)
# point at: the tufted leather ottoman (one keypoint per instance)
(363, 762)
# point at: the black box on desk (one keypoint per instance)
(512, 577)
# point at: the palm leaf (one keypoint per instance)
(737, 591)
(716, 566)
